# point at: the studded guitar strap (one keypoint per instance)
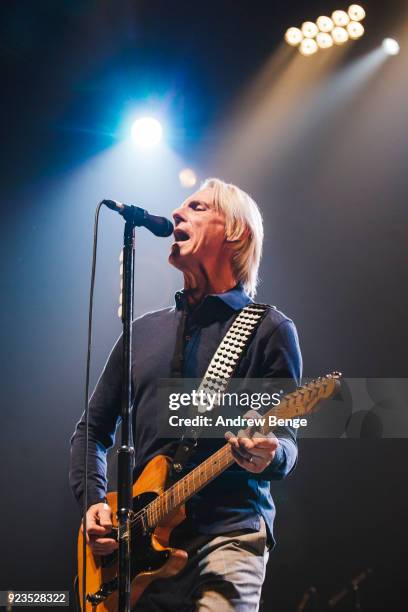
(222, 367)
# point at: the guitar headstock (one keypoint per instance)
(305, 399)
(327, 385)
(321, 388)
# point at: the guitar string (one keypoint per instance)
(161, 501)
(168, 491)
(171, 493)
(136, 524)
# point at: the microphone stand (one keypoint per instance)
(126, 451)
(309, 595)
(353, 588)
(134, 217)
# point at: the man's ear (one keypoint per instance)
(245, 234)
(231, 241)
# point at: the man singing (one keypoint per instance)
(228, 529)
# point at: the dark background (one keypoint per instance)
(333, 195)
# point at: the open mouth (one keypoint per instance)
(181, 235)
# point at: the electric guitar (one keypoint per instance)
(157, 510)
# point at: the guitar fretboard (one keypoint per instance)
(189, 485)
(292, 405)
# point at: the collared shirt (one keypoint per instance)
(237, 498)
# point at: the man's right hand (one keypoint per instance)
(98, 524)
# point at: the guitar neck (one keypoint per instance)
(203, 474)
(292, 405)
(189, 485)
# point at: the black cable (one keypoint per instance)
(86, 411)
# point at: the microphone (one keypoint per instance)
(159, 226)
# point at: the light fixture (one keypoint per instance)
(340, 18)
(355, 30)
(325, 24)
(147, 132)
(187, 178)
(390, 46)
(308, 46)
(326, 31)
(293, 36)
(324, 40)
(356, 12)
(309, 29)
(340, 35)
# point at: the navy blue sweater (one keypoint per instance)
(237, 498)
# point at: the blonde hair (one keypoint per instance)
(243, 224)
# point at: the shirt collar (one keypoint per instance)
(236, 298)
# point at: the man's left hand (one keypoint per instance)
(253, 454)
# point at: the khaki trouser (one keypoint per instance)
(223, 574)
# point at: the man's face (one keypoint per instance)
(199, 232)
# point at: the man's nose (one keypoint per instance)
(178, 216)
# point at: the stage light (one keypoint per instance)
(324, 40)
(338, 29)
(340, 18)
(390, 46)
(355, 29)
(187, 178)
(356, 12)
(340, 35)
(308, 46)
(325, 24)
(309, 29)
(293, 36)
(147, 132)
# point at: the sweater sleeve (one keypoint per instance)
(283, 367)
(104, 416)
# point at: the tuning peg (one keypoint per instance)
(334, 374)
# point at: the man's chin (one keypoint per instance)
(177, 258)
